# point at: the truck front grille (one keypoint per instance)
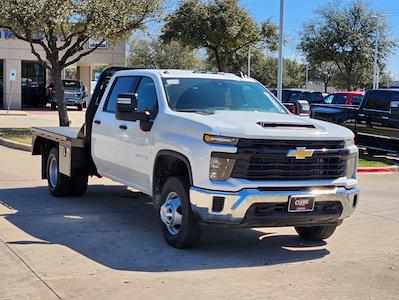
(288, 168)
(268, 160)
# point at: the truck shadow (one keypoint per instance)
(119, 229)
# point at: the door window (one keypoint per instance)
(378, 100)
(339, 99)
(147, 96)
(125, 84)
(357, 100)
(329, 99)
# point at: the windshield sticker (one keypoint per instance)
(173, 81)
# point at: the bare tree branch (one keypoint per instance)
(83, 54)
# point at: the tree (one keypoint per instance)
(222, 27)
(62, 28)
(158, 55)
(264, 69)
(325, 72)
(345, 36)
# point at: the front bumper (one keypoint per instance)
(269, 207)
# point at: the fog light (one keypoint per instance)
(220, 168)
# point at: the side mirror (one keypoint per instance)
(298, 107)
(304, 108)
(126, 109)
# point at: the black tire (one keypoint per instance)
(78, 185)
(80, 107)
(61, 184)
(189, 232)
(53, 106)
(316, 233)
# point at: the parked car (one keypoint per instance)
(375, 123)
(348, 98)
(75, 94)
(297, 101)
(210, 148)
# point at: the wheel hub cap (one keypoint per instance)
(171, 213)
(53, 170)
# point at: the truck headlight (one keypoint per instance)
(219, 139)
(351, 167)
(349, 143)
(220, 168)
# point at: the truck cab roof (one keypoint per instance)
(172, 73)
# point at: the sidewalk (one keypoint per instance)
(38, 117)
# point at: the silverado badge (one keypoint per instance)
(300, 153)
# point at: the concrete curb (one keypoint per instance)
(15, 145)
(376, 170)
(14, 114)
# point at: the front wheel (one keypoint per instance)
(179, 226)
(316, 233)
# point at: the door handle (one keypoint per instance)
(97, 122)
(123, 126)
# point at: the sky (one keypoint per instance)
(298, 12)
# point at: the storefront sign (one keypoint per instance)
(93, 43)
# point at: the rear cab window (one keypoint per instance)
(378, 100)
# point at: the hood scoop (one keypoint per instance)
(286, 125)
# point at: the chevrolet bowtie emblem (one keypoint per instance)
(300, 153)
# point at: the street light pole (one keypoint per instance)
(280, 53)
(249, 61)
(376, 71)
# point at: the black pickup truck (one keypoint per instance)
(375, 123)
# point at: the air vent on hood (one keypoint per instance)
(286, 125)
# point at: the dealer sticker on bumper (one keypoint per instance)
(300, 203)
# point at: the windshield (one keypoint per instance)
(71, 84)
(193, 94)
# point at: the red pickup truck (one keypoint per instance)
(346, 98)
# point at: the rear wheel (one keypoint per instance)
(316, 233)
(80, 107)
(59, 184)
(179, 226)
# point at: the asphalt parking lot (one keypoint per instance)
(107, 245)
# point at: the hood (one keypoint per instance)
(265, 125)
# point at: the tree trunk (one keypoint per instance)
(59, 91)
(325, 86)
(218, 60)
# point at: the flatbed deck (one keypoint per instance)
(67, 135)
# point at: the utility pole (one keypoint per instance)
(280, 53)
(249, 61)
(376, 69)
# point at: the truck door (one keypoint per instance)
(134, 145)
(374, 120)
(106, 128)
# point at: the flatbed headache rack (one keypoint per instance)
(73, 144)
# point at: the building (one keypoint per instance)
(23, 80)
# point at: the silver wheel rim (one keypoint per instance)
(53, 172)
(171, 213)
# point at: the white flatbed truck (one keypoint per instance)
(210, 148)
